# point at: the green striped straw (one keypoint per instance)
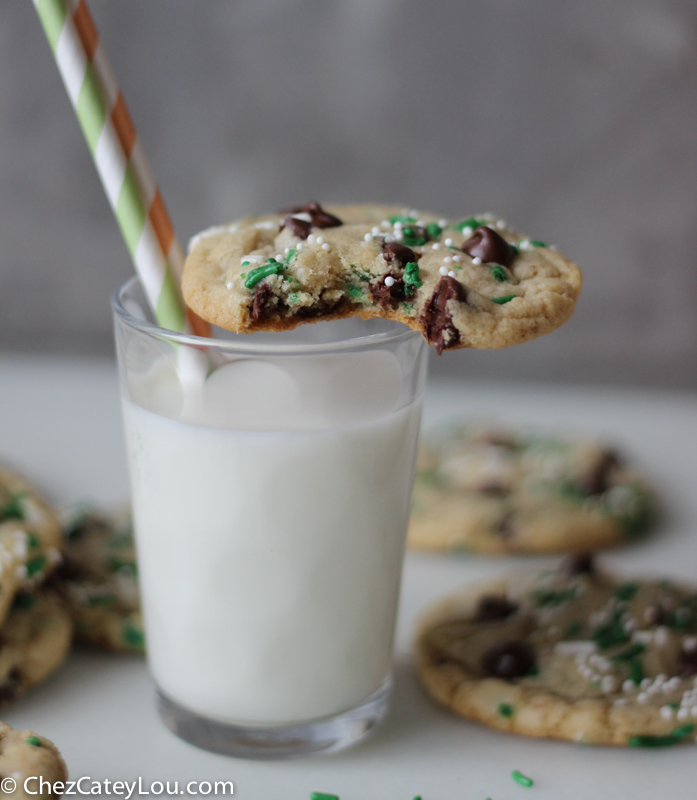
(120, 160)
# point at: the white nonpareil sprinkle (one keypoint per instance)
(414, 213)
(457, 259)
(683, 713)
(582, 648)
(21, 572)
(642, 697)
(385, 223)
(448, 242)
(299, 246)
(326, 247)
(443, 270)
(398, 235)
(320, 240)
(666, 712)
(452, 273)
(467, 231)
(447, 260)
(230, 285)
(279, 256)
(608, 684)
(389, 281)
(525, 244)
(375, 230)
(621, 701)
(311, 238)
(660, 636)
(693, 711)
(645, 637)
(628, 686)
(689, 644)
(435, 246)
(501, 224)
(368, 237)
(443, 223)
(476, 261)
(256, 259)
(646, 682)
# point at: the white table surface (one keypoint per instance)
(60, 422)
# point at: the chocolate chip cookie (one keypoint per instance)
(34, 640)
(490, 490)
(99, 583)
(29, 538)
(569, 653)
(26, 755)
(472, 282)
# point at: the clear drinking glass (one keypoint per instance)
(270, 479)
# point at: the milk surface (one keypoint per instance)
(270, 560)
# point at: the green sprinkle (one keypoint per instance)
(523, 780)
(101, 601)
(412, 278)
(13, 508)
(544, 597)
(243, 275)
(323, 796)
(570, 490)
(122, 565)
(506, 710)
(35, 565)
(418, 797)
(626, 591)
(434, 230)
(400, 218)
(572, 629)
(33, 540)
(354, 291)
(408, 306)
(293, 298)
(611, 633)
(498, 273)
(537, 243)
(505, 299)
(676, 736)
(133, 636)
(364, 276)
(272, 267)
(636, 671)
(410, 238)
(24, 601)
(630, 652)
(246, 263)
(34, 740)
(290, 255)
(472, 222)
(675, 706)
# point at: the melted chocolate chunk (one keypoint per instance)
(488, 245)
(687, 661)
(300, 227)
(494, 607)
(597, 480)
(578, 564)
(436, 319)
(320, 217)
(508, 659)
(385, 295)
(261, 301)
(398, 254)
(11, 686)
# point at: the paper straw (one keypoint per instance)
(120, 160)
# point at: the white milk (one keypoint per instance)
(270, 560)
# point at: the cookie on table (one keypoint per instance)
(25, 754)
(30, 538)
(462, 283)
(569, 653)
(98, 581)
(492, 491)
(35, 639)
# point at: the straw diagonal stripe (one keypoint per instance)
(119, 158)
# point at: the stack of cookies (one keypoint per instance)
(35, 628)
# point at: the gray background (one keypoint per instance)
(575, 121)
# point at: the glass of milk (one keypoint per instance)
(270, 478)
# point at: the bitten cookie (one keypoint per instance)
(572, 653)
(29, 538)
(492, 491)
(26, 755)
(469, 283)
(34, 641)
(98, 580)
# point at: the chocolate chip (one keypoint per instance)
(320, 217)
(300, 227)
(494, 607)
(11, 686)
(261, 301)
(508, 659)
(488, 245)
(398, 254)
(436, 319)
(385, 295)
(687, 661)
(596, 480)
(578, 564)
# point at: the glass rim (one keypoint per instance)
(399, 334)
